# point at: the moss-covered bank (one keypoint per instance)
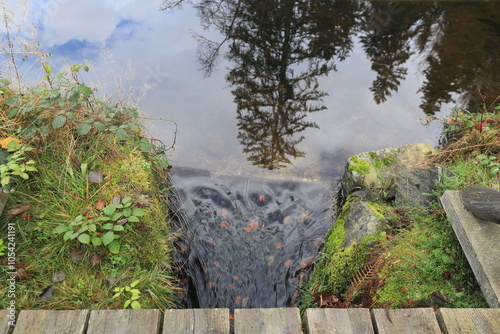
(415, 260)
(87, 201)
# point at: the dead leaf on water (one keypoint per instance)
(254, 224)
(224, 224)
(247, 229)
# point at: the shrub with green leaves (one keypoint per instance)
(13, 163)
(102, 230)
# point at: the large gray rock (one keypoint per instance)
(413, 187)
(482, 202)
(377, 169)
(362, 221)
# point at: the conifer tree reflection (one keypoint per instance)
(278, 54)
(459, 44)
(279, 48)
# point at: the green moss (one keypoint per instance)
(338, 264)
(378, 209)
(341, 265)
(360, 166)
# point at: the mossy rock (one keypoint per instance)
(376, 169)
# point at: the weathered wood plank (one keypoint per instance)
(5, 328)
(469, 320)
(196, 321)
(51, 322)
(124, 322)
(415, 320)
(336, 320)
(267, 320)
(479, 240)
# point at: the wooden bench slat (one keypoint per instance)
(479, 241)
(415, 320)
(335, 320)
(124, 322)
(51, 322)
(5, 328)
(267, 320)
(469, 320)
(196, 321)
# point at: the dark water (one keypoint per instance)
(248, 241)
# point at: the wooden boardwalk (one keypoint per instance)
(250, 321)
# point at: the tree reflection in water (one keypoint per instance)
(279, 49)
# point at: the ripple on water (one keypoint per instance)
(247, 242)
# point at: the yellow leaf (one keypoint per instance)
(5, 142)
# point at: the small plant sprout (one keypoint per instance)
(490, 162)
(130, 293)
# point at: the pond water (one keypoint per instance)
(294, 88)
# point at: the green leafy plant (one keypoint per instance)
(13, 163)
(490, 162)
(102, 230)
(130, 293)
(3, 247)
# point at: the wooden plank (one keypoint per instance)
(267, 320)
(124, 322)
(51, 322)
(337, 320)
(414, 320)
(479, 240)
(469, 320)
(5, 328)
(196, 321)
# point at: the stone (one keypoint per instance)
(414, 187)
(95, 176)
(376, 169)
(482, 202)
(362, 221)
